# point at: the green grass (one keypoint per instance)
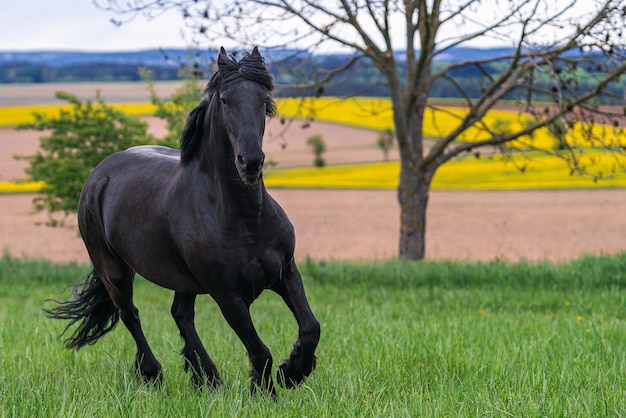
(398, 339)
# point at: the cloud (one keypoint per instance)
(79, 25)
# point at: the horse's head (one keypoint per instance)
(243, 92)
(239, 97)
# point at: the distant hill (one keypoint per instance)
(289, 67)
(169, 57)
(150, 57)
(84, 66)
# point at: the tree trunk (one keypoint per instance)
(413, 198)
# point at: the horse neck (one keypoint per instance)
(216, 163)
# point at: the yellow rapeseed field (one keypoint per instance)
(365, 112)
(13, 115)
(468, 173)
(21, 187)
(376, 113)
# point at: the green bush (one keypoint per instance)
(319, 147)
(79, 139)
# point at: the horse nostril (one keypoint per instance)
(257, 164)
(252, 164)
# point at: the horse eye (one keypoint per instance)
(224, 101)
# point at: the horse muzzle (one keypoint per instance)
(250, 168)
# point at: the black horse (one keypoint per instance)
(196, 221)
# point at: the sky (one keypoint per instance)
(77, 25)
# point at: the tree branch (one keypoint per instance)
(497, 140)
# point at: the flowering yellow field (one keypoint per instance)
(376, 113)
(13, 115)
(544, 172)
(21, 187)
(365, 112)
(469, 173)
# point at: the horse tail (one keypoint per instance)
(92, 307)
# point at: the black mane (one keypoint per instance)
(250, 67)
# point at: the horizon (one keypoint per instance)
(180, 48)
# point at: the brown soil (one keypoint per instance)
(43, 93)
(363, 225)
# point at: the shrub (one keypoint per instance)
(319, 147)
(80, 137)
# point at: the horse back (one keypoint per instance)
(121, 213)
(125, 183)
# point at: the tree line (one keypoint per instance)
(362, 79)
(94, 72)
(466, 80)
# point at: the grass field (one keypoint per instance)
(398, 339)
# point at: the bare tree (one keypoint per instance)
(549, 43)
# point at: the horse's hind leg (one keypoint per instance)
(118, 278)
(301, 361)
(203, 369)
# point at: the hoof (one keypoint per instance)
(150, 378)
(290, 377)
(262, 385)
(149, 374)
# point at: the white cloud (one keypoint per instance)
(79, 25)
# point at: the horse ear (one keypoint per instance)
(255, 53)
(222, 57)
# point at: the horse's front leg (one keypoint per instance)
(236, 310)
(302, 360)
(203, 370)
